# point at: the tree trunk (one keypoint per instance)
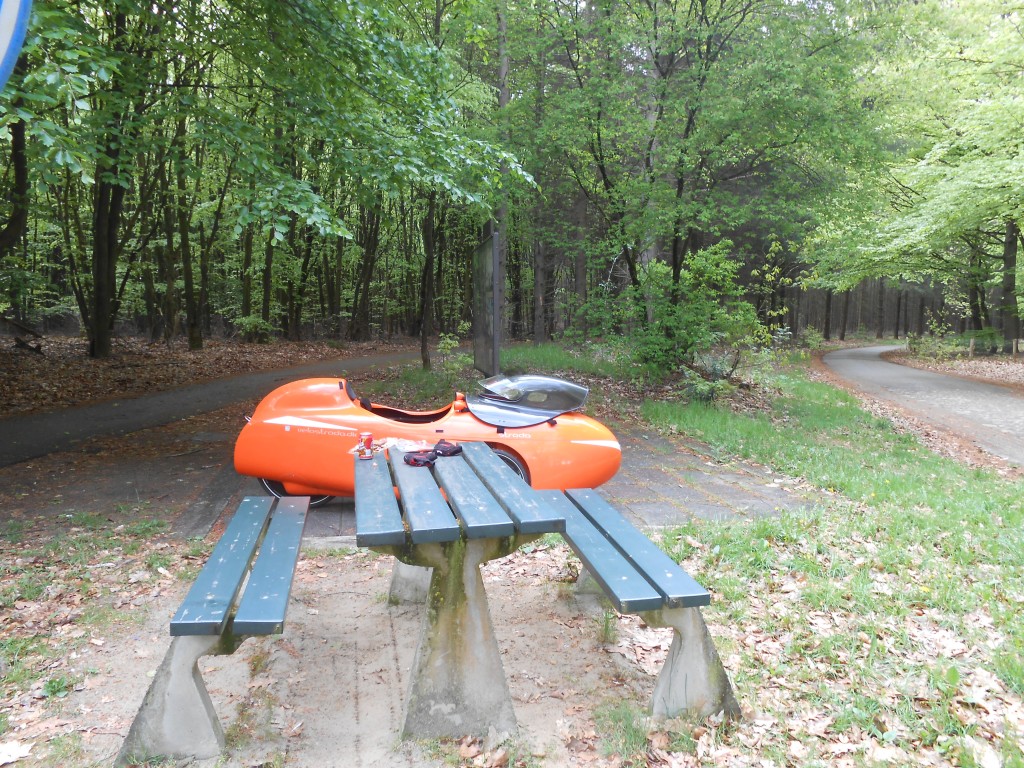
(192, 320)
(368, 237)
(268, 278)
(16, 225)
(844, 321)
(168, 264)
(427, 283)
(899, 311)
(827, 330)
(247, 238)
(1009, 311)
(541, 307)
(880, 310)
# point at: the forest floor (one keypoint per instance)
(97, 588)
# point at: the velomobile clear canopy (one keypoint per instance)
(522, 401)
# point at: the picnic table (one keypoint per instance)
(450, 518)
(468, 509)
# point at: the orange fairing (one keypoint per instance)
(304, 434)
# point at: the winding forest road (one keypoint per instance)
(990, 416)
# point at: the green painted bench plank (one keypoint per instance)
(678, 587)
(429, 517)
(628, 590)
(481, 514)
(520, 501)
(264, 602)
(378, 519)
(207, 606)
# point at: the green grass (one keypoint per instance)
(891, 603)
(623, 732)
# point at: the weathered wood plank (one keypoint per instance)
(481, 514)
(625, 586)
(522, 503)
(264, 602)
(378, 519)
(679, 588)
(428, 515)
(206, 608)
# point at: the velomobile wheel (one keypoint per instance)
(514, 462)
(275, 488)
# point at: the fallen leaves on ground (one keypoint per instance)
(55, 589)
(64, 375)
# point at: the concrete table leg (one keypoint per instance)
(693, 680)
(409, 583)
(458, 685)
(177, 718)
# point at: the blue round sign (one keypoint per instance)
(13, 23)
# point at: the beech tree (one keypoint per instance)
(948, 206)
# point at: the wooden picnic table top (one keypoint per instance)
(474, 495)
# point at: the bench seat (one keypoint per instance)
(242, 591)
(638, 577)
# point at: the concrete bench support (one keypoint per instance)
(177, 718)
(409, 583)
(693, 680)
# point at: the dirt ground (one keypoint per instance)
(329, 692)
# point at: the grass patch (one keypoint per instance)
(622, 729)
(887, 615)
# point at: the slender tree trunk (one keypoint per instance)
(899, 310)
(192, 323)
(827, 331)
(247, 238)
(579, 262)
(1009, 311)
(14, 229)
(427, 283)
(845, 314)
(368, 234)
(974, 300)
(268, 278)
(168, 264)
(880, 310)
(501, 215)
(540, 293)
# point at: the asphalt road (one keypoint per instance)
(989, 415)
(30, 436)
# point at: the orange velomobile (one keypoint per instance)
(303, 437)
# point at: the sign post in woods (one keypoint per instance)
(13, 24)
(488, 299)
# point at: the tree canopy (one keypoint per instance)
(680, 172)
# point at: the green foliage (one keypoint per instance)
(666, 323)
(950, 91)
(812, 338)
(453, 364)
(254, 328)
(58, 687)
